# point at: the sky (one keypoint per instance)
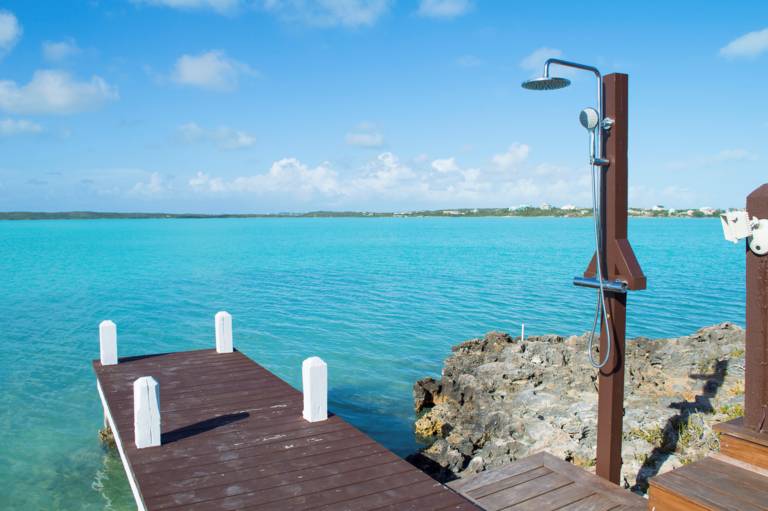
(214, 106)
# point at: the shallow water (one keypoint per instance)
(381, 300)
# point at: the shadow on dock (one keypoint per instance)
(202, 426)
(671, 433)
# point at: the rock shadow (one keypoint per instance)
(670, 435)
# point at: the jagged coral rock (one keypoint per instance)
(500, 399)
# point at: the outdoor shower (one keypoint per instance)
(613, 269)
(595, 124)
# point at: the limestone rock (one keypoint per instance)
(500, 399)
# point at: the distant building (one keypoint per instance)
(545, 206)
(690, 212)
(452, 212)
(671, 211)
(569, 207)
(518, 208)
(707, 210)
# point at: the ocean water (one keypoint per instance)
(381, 300)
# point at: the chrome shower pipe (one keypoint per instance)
(604, 123)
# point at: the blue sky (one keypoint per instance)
(295, 105)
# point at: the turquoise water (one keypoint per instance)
(381, 300)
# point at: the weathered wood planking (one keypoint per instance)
(710, 484)
(542, 482)
(233, 437)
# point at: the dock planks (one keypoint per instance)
(233, 438)
(542, 482)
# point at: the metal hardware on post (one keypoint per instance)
(756, 345)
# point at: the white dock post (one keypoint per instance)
(223, 332)
(146, 412)
(314, 375)
(522, 332)
(108, 342)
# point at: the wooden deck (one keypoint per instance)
(708, 485)
(542, 482)
(233, 437)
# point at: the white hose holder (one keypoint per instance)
(737, 226)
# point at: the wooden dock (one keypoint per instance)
(234, 437)
(542, 482)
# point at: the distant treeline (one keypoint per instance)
(464, 212)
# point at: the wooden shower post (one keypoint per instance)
(620, 264)
(756, 349)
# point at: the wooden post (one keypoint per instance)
(146, 412)
(756, 349)
(620, 264)
(314, 375)
(108, 343)
(223, 322)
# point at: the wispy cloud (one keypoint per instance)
(444, 9)
(59, 51)
(211, 70)
(366, 135)
(10, 31)
(223, 137)
(535, 60)
(749, 45)
(10, 127)
(55, 92)
(469, 61)
(724, 156)
(154, 187)
(219, 6)
(329, 13)
(515, 155)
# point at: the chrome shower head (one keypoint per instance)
(589, 118)
(546, 83)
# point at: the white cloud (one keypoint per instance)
(749, 45)
(388, 180)
(724, 156)
(59, 51)
(10, 127)
(469, 61)
(535, 61)
(365, 135)
(154, 186)
(10, 31)
(444, 8)
(515, 155)
(288, 176)
(54, 92)
(220, 6)
(224, 137)
(211, 70)
(330, 13)
(445, 165)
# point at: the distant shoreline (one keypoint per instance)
(452, 213)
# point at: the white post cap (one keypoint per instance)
(223, 322)
(314, 373)
(146, 412)
(108, 342)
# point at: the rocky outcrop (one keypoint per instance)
(500, 399)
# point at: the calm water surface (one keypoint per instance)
(381, 300)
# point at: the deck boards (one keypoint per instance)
(542, 482)
(712, 484)
(233, 437)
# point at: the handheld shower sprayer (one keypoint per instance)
(592, 119)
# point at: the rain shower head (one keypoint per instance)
(546, 83)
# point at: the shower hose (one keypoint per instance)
(600, 306)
